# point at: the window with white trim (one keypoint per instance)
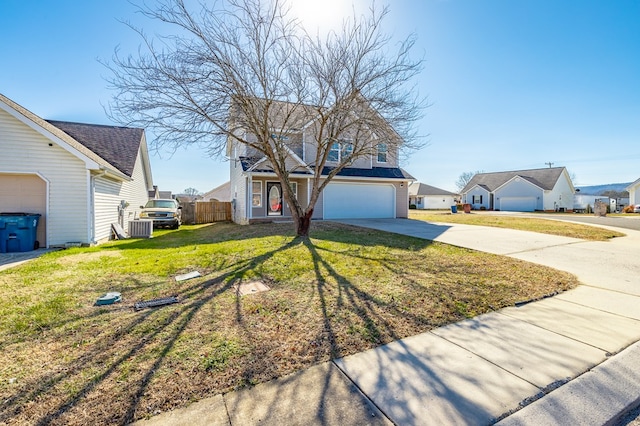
(334, 152)
(256, 194)
(382, 153)
(476, 199)
(340, 150)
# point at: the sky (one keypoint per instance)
(511, 84)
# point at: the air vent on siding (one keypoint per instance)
(141, 228)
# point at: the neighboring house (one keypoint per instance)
(154, 194)
(585, 202)
(548, 189)
(220, 193)
(425, 196)
(80, 177)
(372, 187)
(634, 192)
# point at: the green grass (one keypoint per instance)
(343, 291)
(552, 227)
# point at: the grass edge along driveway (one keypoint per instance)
(345, 290)
(544, 226)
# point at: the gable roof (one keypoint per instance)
(220, 193)
(544, 178)
(419, 188)
(51, 132)
(119, 146)
(632, 185)
(95, 158)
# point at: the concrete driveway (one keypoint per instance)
(9, 260)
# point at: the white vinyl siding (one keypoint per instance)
(26, 151)
(108, 193)
(634, 193)
(436, 202)
(561, 196)
(106, 199)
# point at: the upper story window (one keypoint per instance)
(382, 153)
(340, 150)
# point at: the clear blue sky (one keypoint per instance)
(513, 84)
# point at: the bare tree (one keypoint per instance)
(465, 178)
(244, 72)
(191, 192)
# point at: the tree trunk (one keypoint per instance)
(304, 223)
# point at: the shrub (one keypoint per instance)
(412, 206)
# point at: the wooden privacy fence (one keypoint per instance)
(212, 211)
(205, 212)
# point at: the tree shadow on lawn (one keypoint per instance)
(320, 230)
(166, 325)
(101, 358)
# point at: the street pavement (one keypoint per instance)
(570, 359)
(628, 221)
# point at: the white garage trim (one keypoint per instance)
(349, 200)
(518, 204)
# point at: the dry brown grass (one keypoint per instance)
(552, 227)
(344, 291)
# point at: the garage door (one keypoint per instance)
(518, 204)
(25, 194)
(359, 201)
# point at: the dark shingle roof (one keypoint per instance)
(374, 172)
(418, 188)
(119, 146)
(545, 178)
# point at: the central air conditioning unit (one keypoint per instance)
(141, 228)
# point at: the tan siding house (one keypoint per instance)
(74, 175)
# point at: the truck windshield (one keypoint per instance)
(162, 204)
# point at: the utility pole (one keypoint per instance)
(549, 164)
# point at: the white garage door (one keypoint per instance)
(25, 194)
(518, 204)
(359, 201)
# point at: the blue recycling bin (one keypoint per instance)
(18, 232)
(454, 209)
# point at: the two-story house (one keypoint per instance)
(371, 186)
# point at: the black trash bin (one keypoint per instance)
(18, 232)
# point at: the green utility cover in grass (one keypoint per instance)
(109, 298)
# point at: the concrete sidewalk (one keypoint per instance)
(571, 359)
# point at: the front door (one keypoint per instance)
(274, 199)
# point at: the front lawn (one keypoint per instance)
(544, 226)
(65, 361)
